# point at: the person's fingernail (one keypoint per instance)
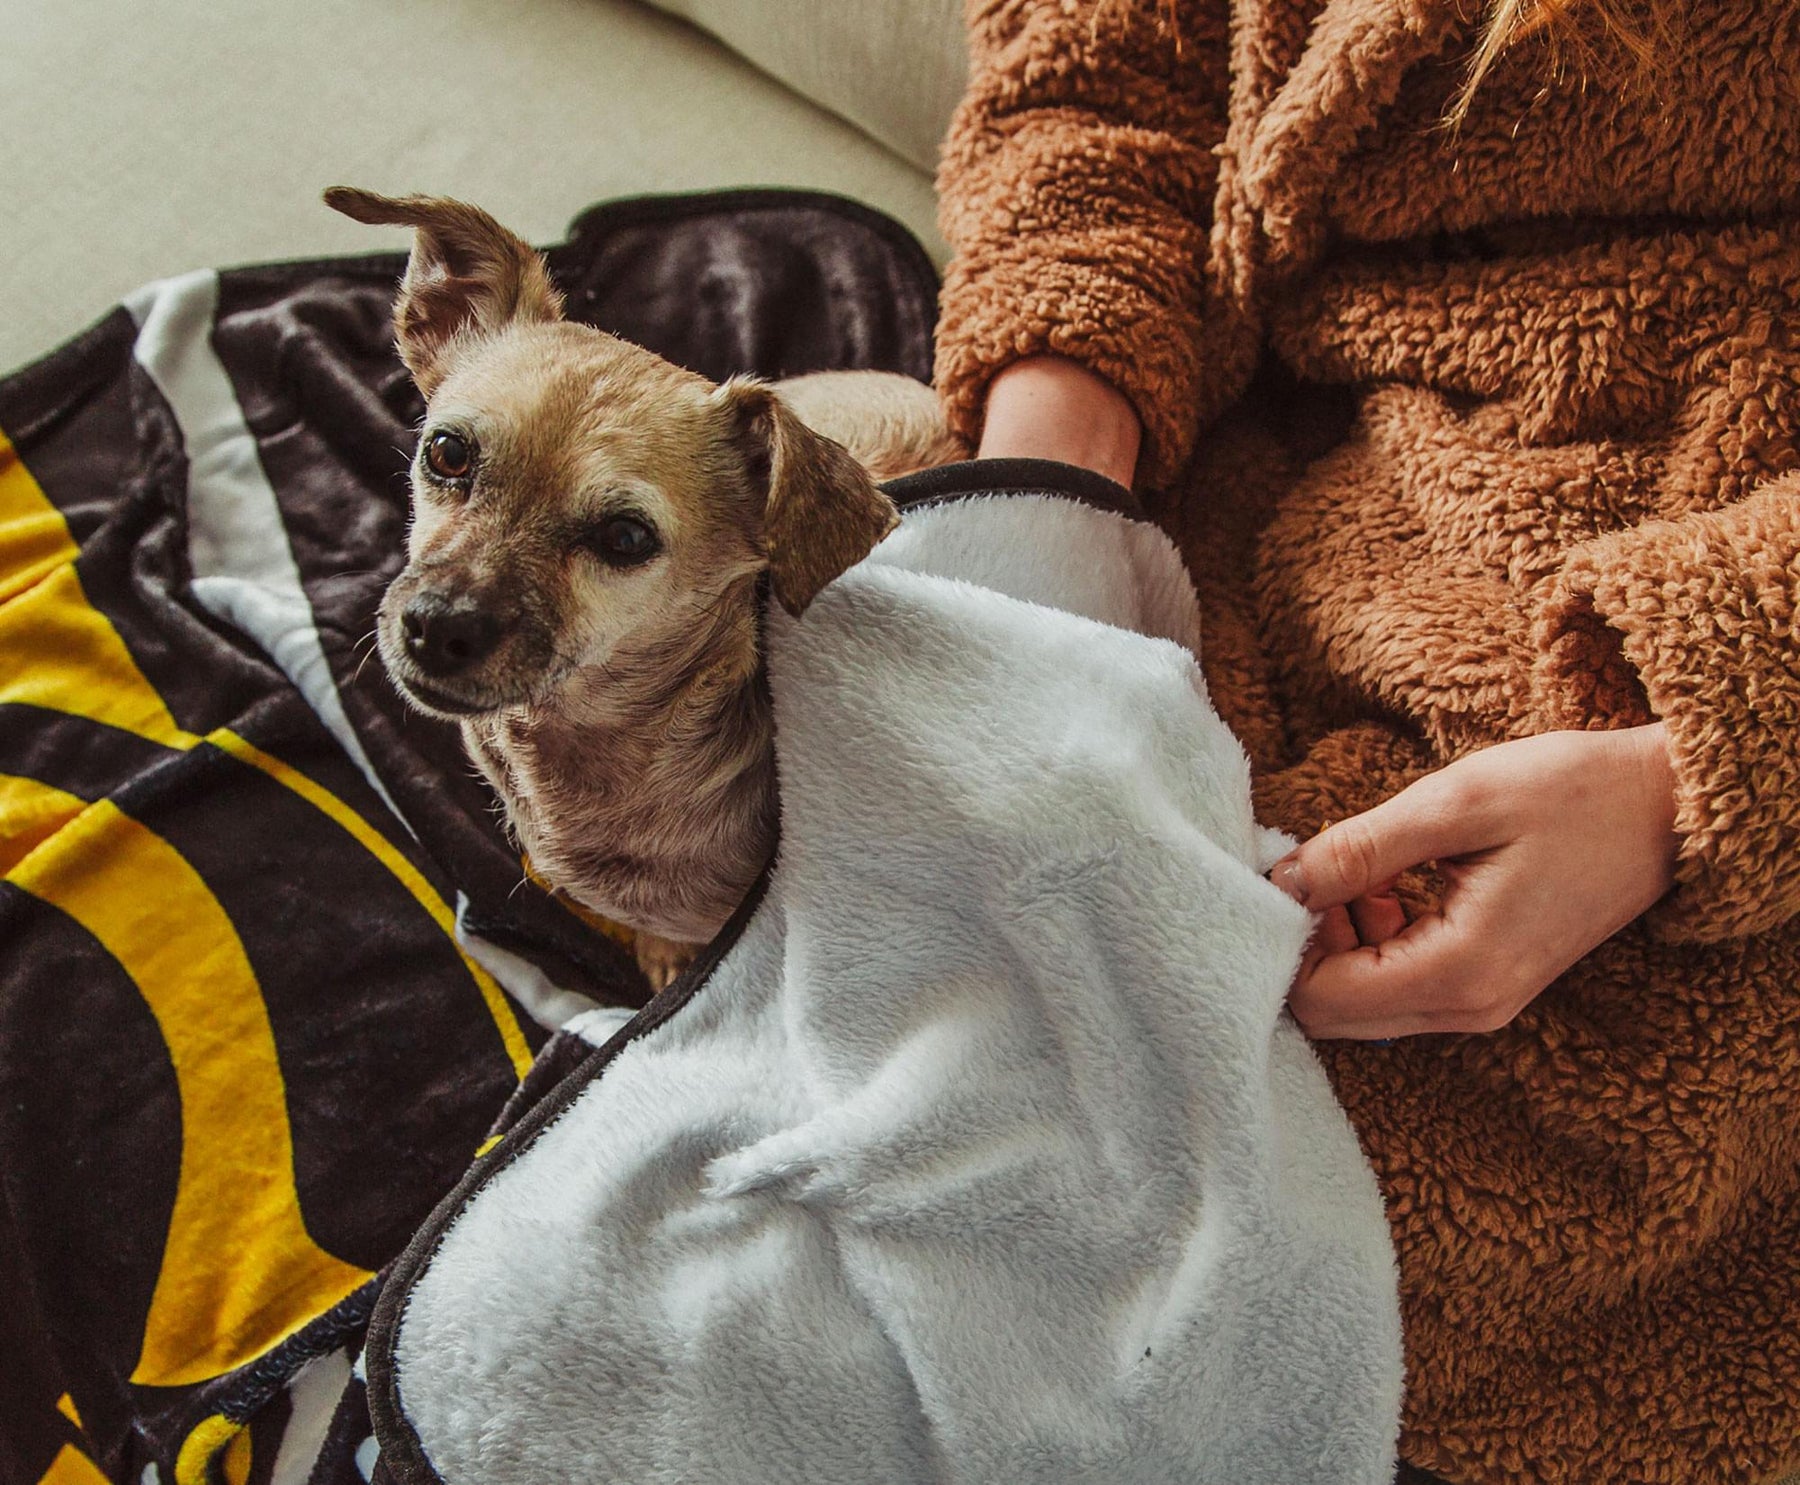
(1291, 878)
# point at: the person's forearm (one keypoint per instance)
(1103, 257)
(1048, 407)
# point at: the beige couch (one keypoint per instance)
(142, 141)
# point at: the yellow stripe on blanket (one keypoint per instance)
(34, 538)
(72, 1467)
(213, 1438)
(239, 1272)
(44, 611)
(93, 674)
(409, 876)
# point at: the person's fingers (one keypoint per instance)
(1336, 933)
(1438, 817)
(1435, 971)
(1378, 917)
(1357, 994)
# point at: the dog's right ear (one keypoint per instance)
(467, 277)
(822, 514)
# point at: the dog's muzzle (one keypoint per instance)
(443, 637)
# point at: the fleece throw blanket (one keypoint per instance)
(268, 967)
(981, 1149)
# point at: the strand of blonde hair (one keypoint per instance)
(1641, 33)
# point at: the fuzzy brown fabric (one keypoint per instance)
(1467, 439)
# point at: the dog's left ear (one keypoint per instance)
(467, 277)
(822, 514)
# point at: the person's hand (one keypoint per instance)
(1549, 845)
(1048, 407)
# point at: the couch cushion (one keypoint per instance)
(894, 67)
(143, 142)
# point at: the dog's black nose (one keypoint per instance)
(446, 635)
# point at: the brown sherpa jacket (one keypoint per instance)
(1467, 438)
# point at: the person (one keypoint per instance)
(1469, 393)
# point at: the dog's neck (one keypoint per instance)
(644, 787)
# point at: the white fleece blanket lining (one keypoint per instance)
(987, 1154)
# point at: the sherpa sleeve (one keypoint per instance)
(1693, 622)
(1076, 189)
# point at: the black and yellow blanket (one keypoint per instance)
(268, 967)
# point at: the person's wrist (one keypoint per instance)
(1657, 770)
(1049, 407)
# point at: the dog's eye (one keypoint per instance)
(623, 541)
(449, 456)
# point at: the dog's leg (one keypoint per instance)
(891, 424)
(661, 959)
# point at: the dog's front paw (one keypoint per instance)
(661, 959)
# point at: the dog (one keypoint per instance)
(592, 531)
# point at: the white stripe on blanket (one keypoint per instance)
(244, 570)
(988, 1153)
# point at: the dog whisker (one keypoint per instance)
(372, 640)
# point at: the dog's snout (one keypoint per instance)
(444, 636)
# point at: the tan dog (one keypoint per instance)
(591, 526)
